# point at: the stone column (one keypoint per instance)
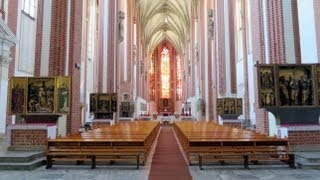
(7, 40)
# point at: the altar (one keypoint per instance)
(166, 119)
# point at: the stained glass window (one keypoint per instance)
(179, 78)
(152, 78)
(165, 73)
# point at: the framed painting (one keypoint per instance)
(93, 103)
(18, 91)
(63, 95)
(104, 103)
(296, 86)
(267, 86)
(40, 96)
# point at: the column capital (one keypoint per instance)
(4, 61)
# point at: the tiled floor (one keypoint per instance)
(259, 172)
(130, 173)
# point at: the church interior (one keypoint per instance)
(154, 83)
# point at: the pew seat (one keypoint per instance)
(207, 142)
(128, 141)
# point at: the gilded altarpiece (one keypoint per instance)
(267, 84)
(103, 102)
(229, 106)
(63, 95)
(297, 90)
(39, 95)
(18, 90)
(220, 106)
(296, 85)
(93, 103)
(40, 98)
(288, 85)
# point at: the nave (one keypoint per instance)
(124, 171)
(200, 143)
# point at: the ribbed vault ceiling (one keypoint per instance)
(162, 20)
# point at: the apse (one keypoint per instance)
(165, 80)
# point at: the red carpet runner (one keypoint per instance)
(168, 162)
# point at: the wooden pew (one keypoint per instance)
(130, 141)
(207, 142)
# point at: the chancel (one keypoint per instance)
(160, 89)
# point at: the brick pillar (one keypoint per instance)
(58, 38)
(276, 32)
(191, 72)
(296, 32)
(130, 27)
(221, 48)
(214, 66)
(317, 19)
(111, 47)
(38, 47)
(202, 48)
(232, 46)
(258, 46)
(74, 120)
(99, 43)
(246, 100)
(58, 52)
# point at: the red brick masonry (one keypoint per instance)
(303, 134)
(30, 136)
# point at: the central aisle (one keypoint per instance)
(168, 162)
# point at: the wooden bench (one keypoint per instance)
(129, 142)
(246, 155)
(207, 142)
(91, 154)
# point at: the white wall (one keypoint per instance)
(251, 69)
(307, 31)
(240, 78)
(44, 71)
(251, 75)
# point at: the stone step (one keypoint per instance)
(23, 165)
(308, 166)
(308, 160)
(20, 156)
